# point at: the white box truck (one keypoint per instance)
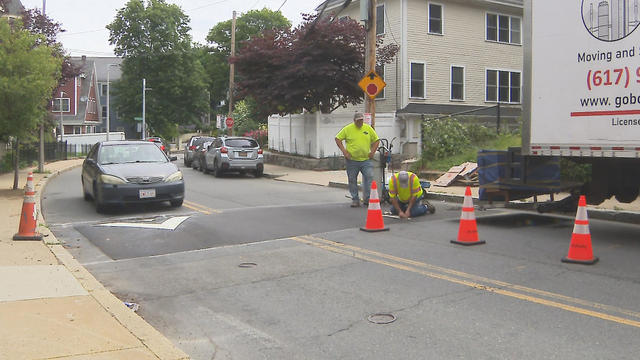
(581, 93)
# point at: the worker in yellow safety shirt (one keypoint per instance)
(406, 195)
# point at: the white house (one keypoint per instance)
(455, 56)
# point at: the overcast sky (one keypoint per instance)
(85, 21)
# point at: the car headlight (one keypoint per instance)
(110, 179)
(176, 176)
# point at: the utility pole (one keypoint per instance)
(144, 90)
(370, 57)
(41, 154)
(232, 68)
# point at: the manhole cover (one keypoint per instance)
(247, 265)
(381, 318)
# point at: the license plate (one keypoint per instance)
(147, 193)
(243, 154)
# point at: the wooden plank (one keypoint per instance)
(449, 176)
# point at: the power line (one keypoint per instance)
(284, 2)
(207, 5)
(81, 32)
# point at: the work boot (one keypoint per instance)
(355, 203)
(365, 202)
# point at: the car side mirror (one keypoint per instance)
(90, 161)
(173, 158)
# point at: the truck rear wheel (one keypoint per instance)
(627, 195)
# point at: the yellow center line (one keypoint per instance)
(200, 208)
(408, 265)
(483, 279)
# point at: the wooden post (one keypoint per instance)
(370, 54)
(232, 68)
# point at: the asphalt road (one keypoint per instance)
(264, 269)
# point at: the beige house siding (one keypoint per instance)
(392, 35)
(462, 44)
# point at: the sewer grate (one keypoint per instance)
(381, 318)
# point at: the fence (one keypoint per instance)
(53, 151)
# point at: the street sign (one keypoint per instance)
(229, 122)
(367, 118)
(137, 118)
(372, 84)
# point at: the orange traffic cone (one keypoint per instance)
(374, 213)
(468, 231)
(580, 251)
(29, 216)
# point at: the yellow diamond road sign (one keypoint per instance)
(372, 84)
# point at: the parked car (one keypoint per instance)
(123, 172)
(188, 150)
(162, 144)
(198, 153)
(234, 154)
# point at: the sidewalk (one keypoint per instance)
(51, 307)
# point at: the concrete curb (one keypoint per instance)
(151, 338)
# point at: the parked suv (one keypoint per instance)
(198, 154)
(188, 150)
(234, 154)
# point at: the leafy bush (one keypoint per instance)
(6, 164)
(444, 137)
(261, 136)
(448, 142)
(573, 171)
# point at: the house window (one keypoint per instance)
(92, 107)
(503, 86)
(77, 130)
(380, 19)
(435, 19)
(417, 80)
(104, 112)
(380, 72)
(457, 83)
(57, 102)
(504, 29)
(103, 89)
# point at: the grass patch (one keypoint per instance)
(470, 152)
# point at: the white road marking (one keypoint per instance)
(169, 224)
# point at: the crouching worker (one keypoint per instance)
(406, 195)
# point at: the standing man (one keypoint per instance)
(406, 195)
(362, 143)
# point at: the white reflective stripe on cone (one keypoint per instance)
(373, 194)
(467, 215)
(468, 202)
(374, 206)
(581, 214)
(580, 229)
(30, 199)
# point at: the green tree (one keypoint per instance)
(315, 66)
(29, 70)
(248, 26)
(244, 116)
(155, 44)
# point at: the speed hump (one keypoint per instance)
(372, 84)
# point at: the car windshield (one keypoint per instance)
(241, 143)
(130, 153)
